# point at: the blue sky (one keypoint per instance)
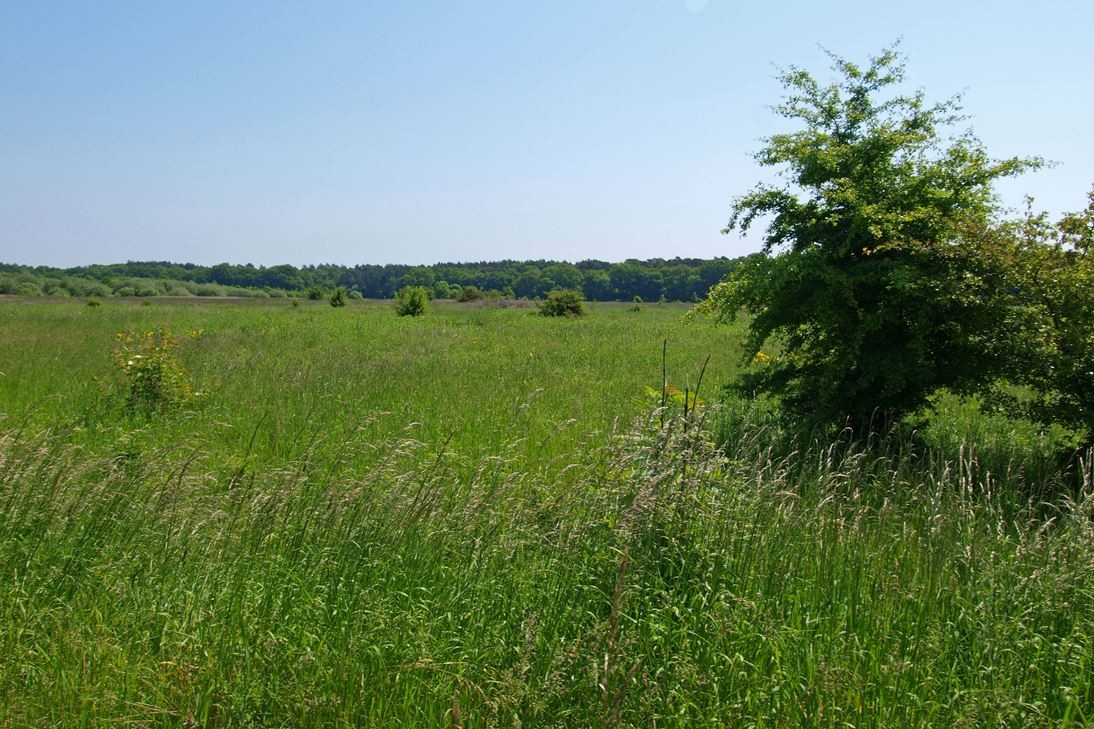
(416, 132)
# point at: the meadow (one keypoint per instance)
(483, 517)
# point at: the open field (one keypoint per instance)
(476, 518)
(281, 378)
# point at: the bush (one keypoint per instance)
(411, 301)
(27, 288)
(154, 379)
(96, 289)
(147, 289)
(338, 298)
(443, 290)
(208, 289)
(470, 293)
(563, 302)
(315, 293)
(1052, 280)
(53, 287)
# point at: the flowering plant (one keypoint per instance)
(154, 377)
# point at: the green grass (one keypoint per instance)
(475, 519)
(281, 379)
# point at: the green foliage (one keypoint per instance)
(153, 377)
(94, 303)
(1052, 276)
(875, 283)
(338, 297)
(678, 279)
(27, 288)
(315, 293)
(470, 293)
(444, 290)
(411, 301)
(563, 302)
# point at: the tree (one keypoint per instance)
(598, 286)
(875, 281)
(563, 276)
(1052, 277)
(411, 301)
(631, 278)
(531, 284)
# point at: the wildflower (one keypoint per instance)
(762, 359)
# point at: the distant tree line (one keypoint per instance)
(676, 279)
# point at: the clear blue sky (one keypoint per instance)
(416, 132)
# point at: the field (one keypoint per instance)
(480, 517)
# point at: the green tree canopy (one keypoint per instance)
(874, 282)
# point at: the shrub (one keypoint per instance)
(94, 303)
(28, 288)
(53, 287)
(147, 289)
(315, 293)
(563, 302)
(443, 290)
(411, 301)
(338, 298)
(208, 290)
(470, 293)
(97, 289)
(1052, 280)
(154, 379)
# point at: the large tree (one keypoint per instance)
(876, 284)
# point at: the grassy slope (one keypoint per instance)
(283, 555)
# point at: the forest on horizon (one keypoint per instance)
(675, 279)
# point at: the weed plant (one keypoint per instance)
(153, 377)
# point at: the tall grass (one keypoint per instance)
(369, 570)
(651, 581)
